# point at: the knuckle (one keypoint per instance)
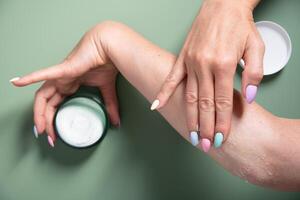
(205, 58)
(190, 55)
(69, 68)
(225, 63)
(256, 75)
(223, 104)
(171, 82)
(200, 57)
(191, 97)
(206, 104)
(69, 72)
(66, 71)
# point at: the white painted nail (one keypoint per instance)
(155, 104)
(14, 79)
(194, 138)
(35, 132)
(50, 141)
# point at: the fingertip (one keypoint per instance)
(20, 82)
(40, 124)
(194, 138)
(115, 118)
(38, 128)
(160, 101)
(251, 91)
(114, 115)
(155, 104)
(52, 134)
(205, 144)
(218, 140)
(115, 121)
(222, 133)
(35, 132)
(251, 78)
(50, 141)
(111, 104)
(15, 81)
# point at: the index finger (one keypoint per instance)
(170, 84)
(54, 72)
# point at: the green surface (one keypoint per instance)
(145, 158)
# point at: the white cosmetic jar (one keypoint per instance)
(81, 120)
(278, 46)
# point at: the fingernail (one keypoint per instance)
(205, 144)
(35, 132)
(218, 140)
(50, 141)
(155, 104)
(14, 79)
(194, 138)
(251, 91)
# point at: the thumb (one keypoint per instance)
(111, 102)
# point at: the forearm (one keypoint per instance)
(251, 4)
(256, 136)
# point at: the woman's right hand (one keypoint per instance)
(86, 65)
(222, 34)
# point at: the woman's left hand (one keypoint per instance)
(84, 66)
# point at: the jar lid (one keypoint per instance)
(278, 46)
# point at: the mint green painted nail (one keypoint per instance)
(218, 140)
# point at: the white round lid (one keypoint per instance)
(80, 122)
(278, 46)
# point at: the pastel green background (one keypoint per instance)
(145, 158)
